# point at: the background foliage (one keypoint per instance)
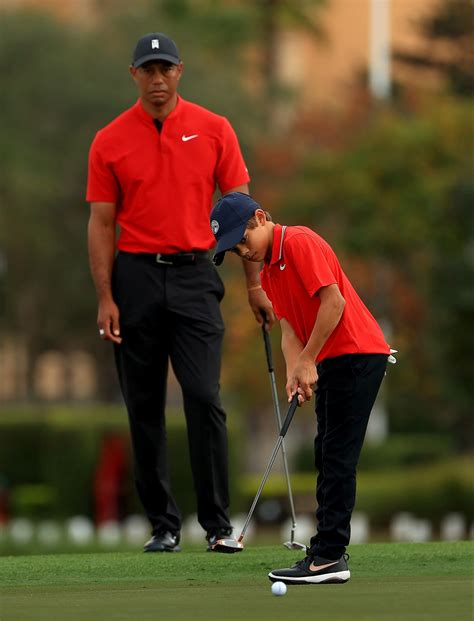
(390, 186)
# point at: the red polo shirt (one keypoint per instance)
(301, 264)
(163, 182)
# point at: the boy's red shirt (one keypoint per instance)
(299, 267)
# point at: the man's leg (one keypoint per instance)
(349, 385)
(143, 380)
(142, 365)
(195, 353)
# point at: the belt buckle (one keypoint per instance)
(162, 261)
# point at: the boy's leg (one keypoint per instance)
(320, 406)
(347, 389)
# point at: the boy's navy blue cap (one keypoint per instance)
(155, 46)
(229, 219)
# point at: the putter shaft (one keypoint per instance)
(268, 352)
(284, 429)
(285, 461)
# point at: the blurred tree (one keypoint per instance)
(271, 17)
(396, 204)
(449, 32)
(65, 81)
(61, 85)
(392, 192)
(54, 99)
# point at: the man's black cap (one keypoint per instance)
(155, 46)
(229, 219)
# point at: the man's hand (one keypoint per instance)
(262, 307)
(108, 321)
(302, 379)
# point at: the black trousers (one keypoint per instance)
(170, 312)
(346, 391)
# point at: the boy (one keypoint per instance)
(329, 339)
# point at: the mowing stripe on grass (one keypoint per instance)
(390, 582)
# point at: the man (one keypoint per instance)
(153, 171)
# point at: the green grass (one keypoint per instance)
(390, 582)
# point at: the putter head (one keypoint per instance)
(294, 545)
(228, 546)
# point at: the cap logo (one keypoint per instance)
(155, 44)
(215, 227)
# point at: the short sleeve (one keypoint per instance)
(231, 170)
(310, 262)
(102, 185)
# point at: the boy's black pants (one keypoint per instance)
(171, 312)
(346, 391)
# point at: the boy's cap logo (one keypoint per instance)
(215, 227)
(155, 44)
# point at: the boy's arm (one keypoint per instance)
(291, 347)
(304, 374)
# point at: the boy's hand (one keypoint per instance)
(302, 379)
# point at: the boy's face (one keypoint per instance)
(256, 242)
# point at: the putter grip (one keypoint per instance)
(289, 416)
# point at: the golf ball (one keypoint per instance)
(279, 588)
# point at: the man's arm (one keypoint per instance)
(259, 303)
(101, 243)
(304, 374)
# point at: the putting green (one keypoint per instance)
(390, 582)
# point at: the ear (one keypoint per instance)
(180, 69)
(260, 216)
(133, 71)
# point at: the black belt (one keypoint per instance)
(176, 259)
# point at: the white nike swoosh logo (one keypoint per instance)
(282, 267)
(314, 567)
(186, 138)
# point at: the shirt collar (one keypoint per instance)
(276, 250)
(148, 119)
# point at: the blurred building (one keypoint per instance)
(321, 70)
(325, 71)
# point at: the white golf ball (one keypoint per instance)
(279, 588)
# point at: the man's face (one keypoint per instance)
(157, 81)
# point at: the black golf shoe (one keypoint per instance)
(215, 534)
(314, 570)
(163, 542)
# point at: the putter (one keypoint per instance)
(236, 545)
(292, 544)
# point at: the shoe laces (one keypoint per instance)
(219, 533)
(304, 561)
(309, 559)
